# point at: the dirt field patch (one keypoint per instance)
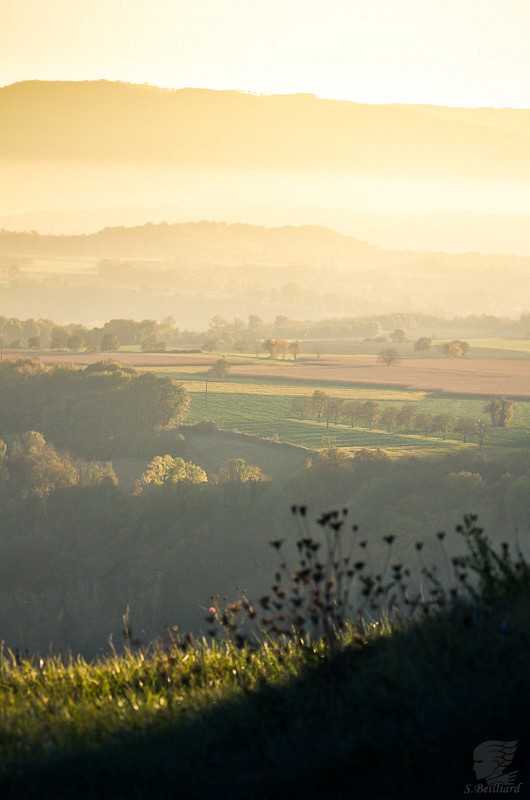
(481, 376)
(459, 376)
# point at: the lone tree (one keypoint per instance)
(218, 370)
(397, 335)
(455, 349)
(389, 357)
(423, 344)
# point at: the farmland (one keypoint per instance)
(470, 376)
(256, 397)
(501, 347)
(265, 409)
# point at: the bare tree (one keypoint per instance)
(389, 357)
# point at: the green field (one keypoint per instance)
(513, 345)
(269, 415)
(265, 410)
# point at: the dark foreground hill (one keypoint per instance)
(390, 710)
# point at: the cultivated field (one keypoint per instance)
(264, 409)
(265, 415)
(484, 376)
(458, 376)
(256, 398)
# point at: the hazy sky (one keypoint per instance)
(451, 52)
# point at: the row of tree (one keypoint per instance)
(276, 347)
(44, 333)
(253, 335)
(409, 417)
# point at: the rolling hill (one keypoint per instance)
(113, 121)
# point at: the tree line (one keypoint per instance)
(44, 333)
(245, 336)
(410, 418)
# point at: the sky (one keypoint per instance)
(447, 52)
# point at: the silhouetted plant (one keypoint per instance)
(498, 575)
(331, 588)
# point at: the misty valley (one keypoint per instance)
(130, 482)
(264, 444)
(233, 270)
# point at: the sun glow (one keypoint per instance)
(456, 53)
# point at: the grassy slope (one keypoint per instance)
(279, 461)
(392, 716)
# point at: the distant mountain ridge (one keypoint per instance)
(222, 243)
(206, 240)
(102, 121)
